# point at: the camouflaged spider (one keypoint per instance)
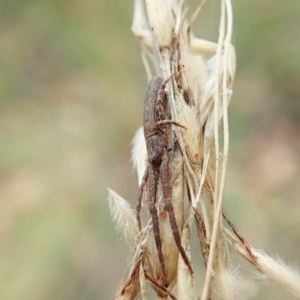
(156, 136)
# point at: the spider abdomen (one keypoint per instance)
(155, 147)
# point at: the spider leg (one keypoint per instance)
(165, 180)
(139, 199)
(169, 122)
(152, 188)
(160, 99)
(160, 107)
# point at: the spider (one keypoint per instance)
(156, 137)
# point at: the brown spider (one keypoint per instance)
(156, 136)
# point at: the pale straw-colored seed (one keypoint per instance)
(185, 281)
(139, 155)
(161, 22)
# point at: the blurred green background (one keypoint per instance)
(71, 90)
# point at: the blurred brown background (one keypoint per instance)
(71, 90)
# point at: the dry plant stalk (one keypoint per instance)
(198, 95)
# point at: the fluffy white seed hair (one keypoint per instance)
(123, 216)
